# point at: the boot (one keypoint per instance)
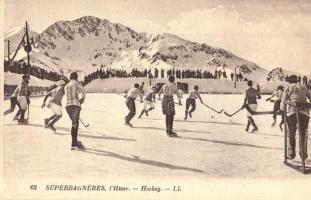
(186, 115)
(254, 125)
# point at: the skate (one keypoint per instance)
(15, 118)
(81, 146)
(52, 127)
(78, 146)
(255, 130)
(273, 124)
(22, 122)
(128, 124)
(173, 134)
(74, 148)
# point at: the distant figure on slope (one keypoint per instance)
(73, 107)
(168, 105)
(296, 93)
(131, 96)
(13, 101)
(55, 104)
(250, 100)
(23, 93)
(148, 102)
(278, 94)
(193, 94)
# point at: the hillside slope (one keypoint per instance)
(89, 43)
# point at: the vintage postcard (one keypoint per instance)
(167, 99)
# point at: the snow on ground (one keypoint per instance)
(210, 145)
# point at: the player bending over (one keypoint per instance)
(193, 94)
(131, 96)
(55, 104)
(148, 102)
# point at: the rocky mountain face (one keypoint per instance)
(89, 43)
(279, 74)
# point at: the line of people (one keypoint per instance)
(23, 68)
(180, 74)
(295, 93)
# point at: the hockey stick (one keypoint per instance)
(230, 115)
(258, 113)
(213, 109)
(85, 125)
(285, 135)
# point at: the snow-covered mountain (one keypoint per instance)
(88, 43)
(279, 73)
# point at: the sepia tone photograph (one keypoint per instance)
(167, 99)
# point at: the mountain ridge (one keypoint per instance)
(88, 43)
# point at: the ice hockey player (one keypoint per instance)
(73, 107)
(131, 96)
(141, 90)
(55, 104)
(14, 103)
(148, 102)
(296, 94)
(23, 93)
(250, 100)
(168, 105)
(276, 108)
(193, 94)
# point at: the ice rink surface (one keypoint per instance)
(210, 145)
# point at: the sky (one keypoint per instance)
(271, 33)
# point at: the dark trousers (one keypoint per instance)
(292, 128)
(14, 103)
(130, 103)
(191, 102)
(74, 114)
(169, 120)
